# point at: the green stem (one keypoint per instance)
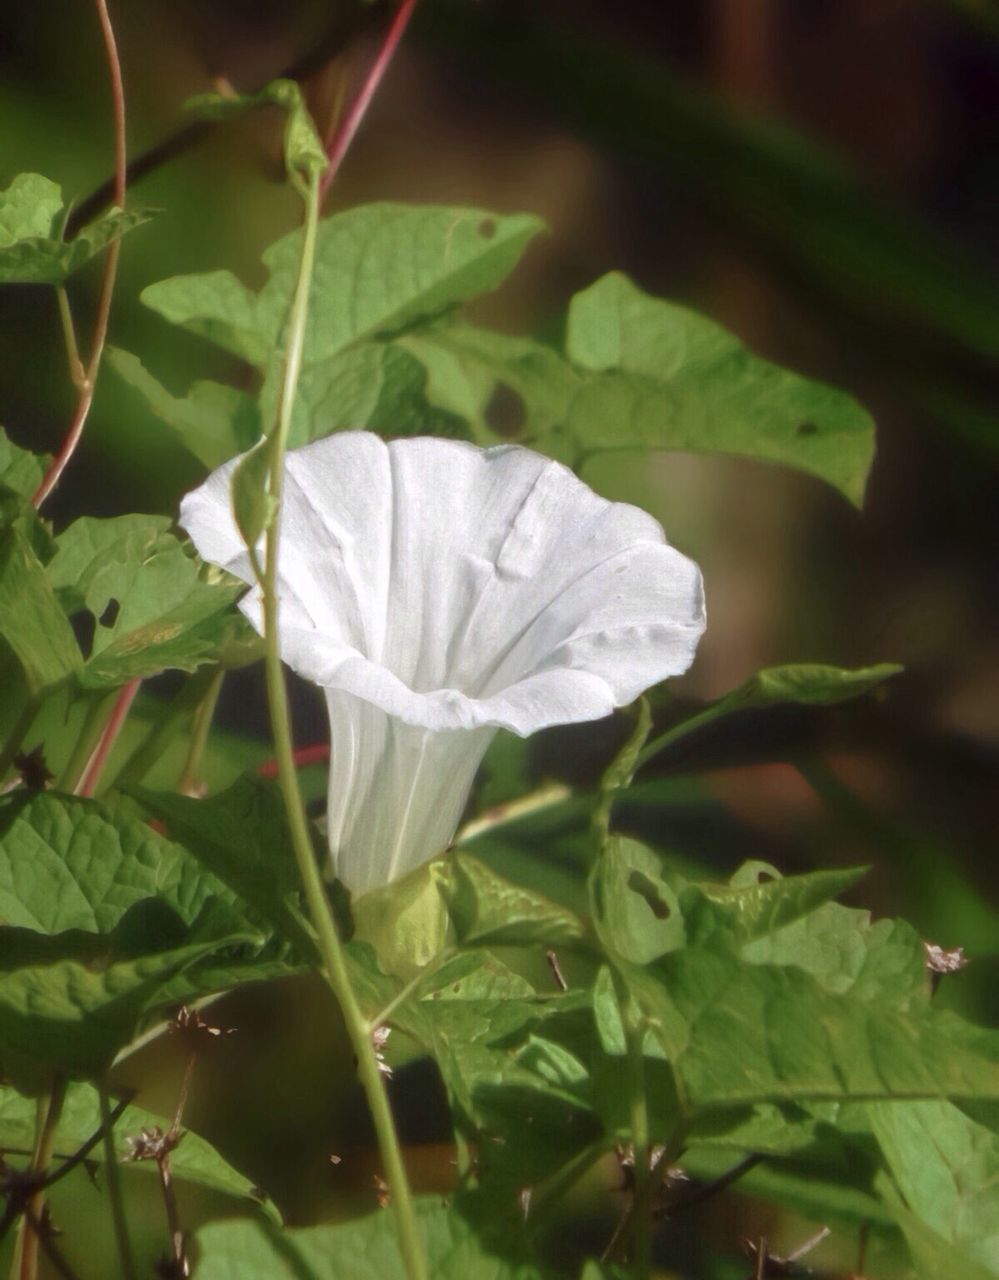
(16, 736)
(77, 373)
(639, 1110)
(24, 1265)
(163, 732)
(679, 731)
(203, 715)
(96, 717)
(112, 1174)
(400, 998)
(330, 946)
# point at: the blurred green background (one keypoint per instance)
(819, 175)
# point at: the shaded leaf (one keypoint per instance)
(357, 1250)
(31, 620)
(213, 421)
(487, 909)
(242, 837)
(20, 471)
(193, 1160)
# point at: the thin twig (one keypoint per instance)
(81, 1154)
(714, 1188)
(351, 122)
(119, 714)
(337, 37)
(112, 1174)
(86, 396)
(43, 1230)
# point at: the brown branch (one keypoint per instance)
(119, 714)
(358, 109)
(86, 396)
(340, 33)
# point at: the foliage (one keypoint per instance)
(718, 1022)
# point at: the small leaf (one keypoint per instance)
(213, 421)
(808, 684)
(672, 379)
(31, 249)
(21, 472)
(31, 620)
(303, 150)
(637, 915)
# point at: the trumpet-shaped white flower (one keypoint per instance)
(437, 591)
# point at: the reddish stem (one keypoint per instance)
(302, 757)
(82, 411)
(357, 110)
(95, 766)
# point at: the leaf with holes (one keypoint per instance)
(387, 265)
(155, 606)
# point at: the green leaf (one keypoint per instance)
(945, 1167)
(637, 915)
(486, 909)
(386, 265)
(32, 250)
(504, 387)
(193, 1160)
(739, 1034)
(844, 951)
(20, 471)
(106, 922)
(377, 386)
(212, 421)
(357, 1250)
(303, 150)
(809, 684)
(242, 837)
(754, 907)
(672, 379)
(155, 605)
(31, 620)
(71, 863)
(72, 1017)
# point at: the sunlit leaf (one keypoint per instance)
(673, 379)
(154, 605)
(32, 250)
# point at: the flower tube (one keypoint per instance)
(436, 592)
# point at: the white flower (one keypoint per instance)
(437, 591)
